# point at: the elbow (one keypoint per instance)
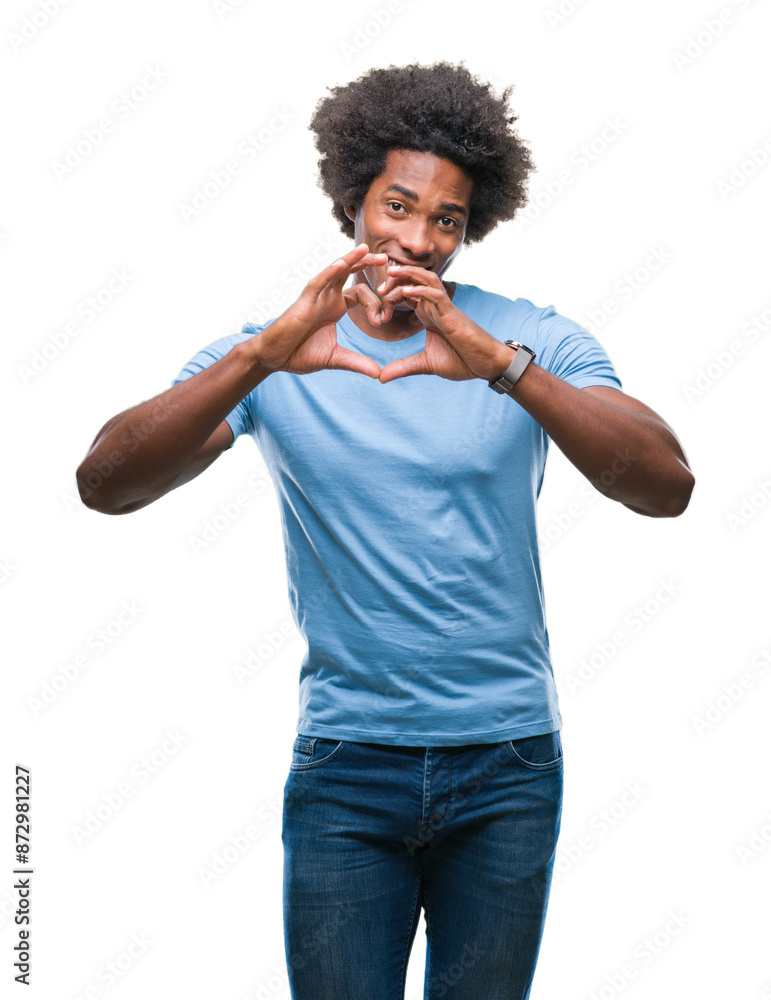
(87, 488)
(680, 495)
(670, 501)
(88, 483)
(676, 496)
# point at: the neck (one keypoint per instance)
(403, 323)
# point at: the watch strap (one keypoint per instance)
(522, 357)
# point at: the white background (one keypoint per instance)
(696, 839)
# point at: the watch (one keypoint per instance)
(522, 358)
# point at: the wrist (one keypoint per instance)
(249, 351)
(504, 355)
(521, 358)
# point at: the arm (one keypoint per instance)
(623, 447)
(156, 446)
(150, 449)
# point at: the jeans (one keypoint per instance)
(372, 833)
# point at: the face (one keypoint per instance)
(416, 211)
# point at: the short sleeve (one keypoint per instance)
(570, 352)
(240, 418)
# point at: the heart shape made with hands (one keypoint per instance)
(455, 348)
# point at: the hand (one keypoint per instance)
(456, 347)
(304, 337)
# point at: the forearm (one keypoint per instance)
(628, 456)
(140, 453)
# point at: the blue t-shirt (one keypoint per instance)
(408, 512)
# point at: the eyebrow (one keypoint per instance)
(445, 206)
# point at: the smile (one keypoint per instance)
(404, 263)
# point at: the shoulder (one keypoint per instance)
(247, 331)
(518, 318)
(219, 348)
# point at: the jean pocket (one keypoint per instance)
(313, 751)
(537, 753)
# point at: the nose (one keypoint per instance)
(415, 238)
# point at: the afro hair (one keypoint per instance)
(441, 109)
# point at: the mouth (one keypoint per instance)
(407, 263)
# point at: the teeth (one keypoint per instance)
(395, 263)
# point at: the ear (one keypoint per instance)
(350, 211)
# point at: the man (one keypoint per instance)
(427, 768)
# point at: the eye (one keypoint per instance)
(394, 205)
(453, 222)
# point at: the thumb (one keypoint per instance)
(415, 364)
(351, 361)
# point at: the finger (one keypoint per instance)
(415, 364)
(428, 302)
(389, 302)
(346, 360)
(393, 297)
(336, 282)
(409, 274)
(362, 294)
(434, 295)
(340, 269)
